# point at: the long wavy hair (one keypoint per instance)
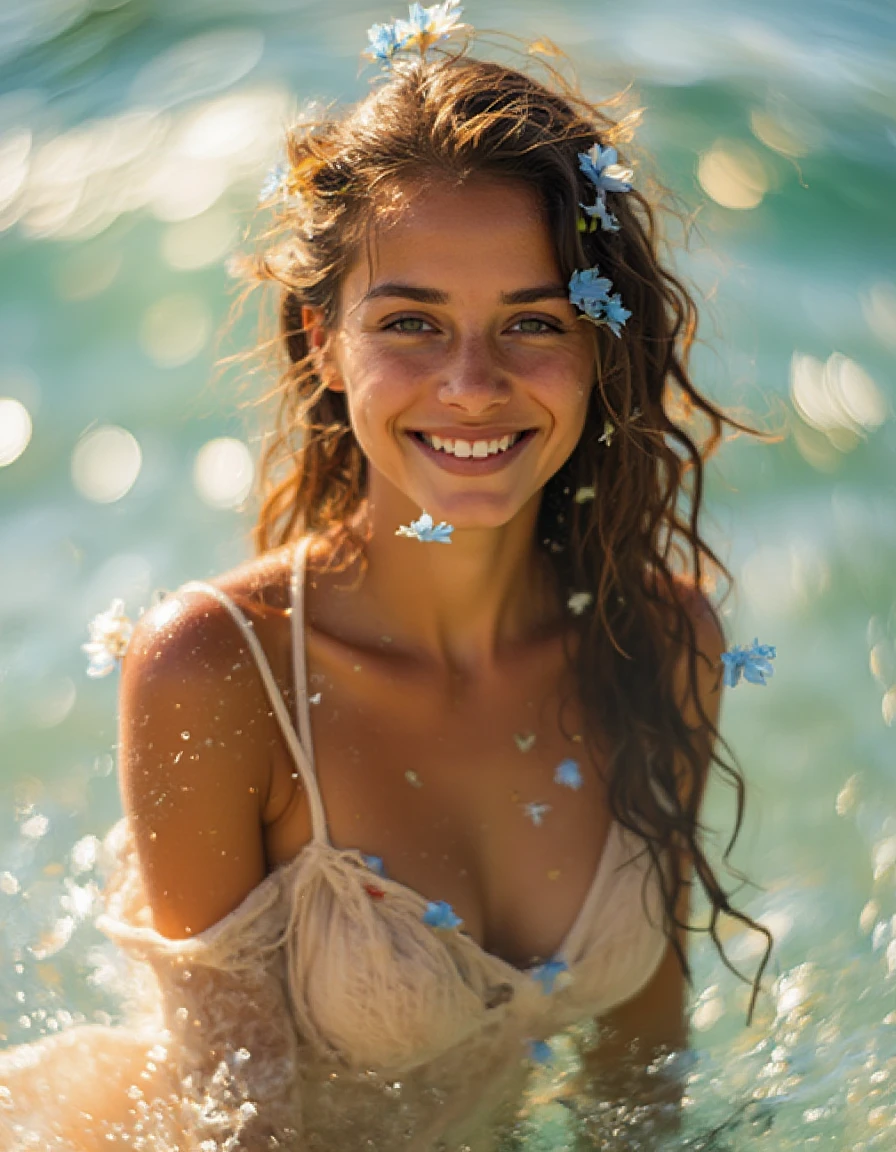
(647, 434)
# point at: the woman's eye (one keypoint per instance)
(410, 324)
(534, 326)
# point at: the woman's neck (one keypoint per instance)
(461, 604)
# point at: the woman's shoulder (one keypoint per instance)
(192, 629)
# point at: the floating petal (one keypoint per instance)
(568, 774)
(537, 813)
(426, 531)
(439, 914)
(524, 740)
(753, 664)
(540, 1051)
(374, 863)
(550, 973)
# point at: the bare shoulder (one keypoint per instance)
(196, 746)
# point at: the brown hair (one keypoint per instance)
(455, 118)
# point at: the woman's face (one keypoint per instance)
(465, 369)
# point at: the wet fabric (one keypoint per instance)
(331, 1018)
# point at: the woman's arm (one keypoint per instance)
(197, 740)
(195, 750)
(626, 1066)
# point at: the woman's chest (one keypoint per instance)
(479, 794)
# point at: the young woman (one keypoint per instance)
(418, 787)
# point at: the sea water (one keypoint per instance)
(133, 138)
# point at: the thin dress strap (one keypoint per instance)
(281, 712)
(300, 681)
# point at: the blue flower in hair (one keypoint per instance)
(753, 664)
(599, 211)
(439, 914)
(599, 165)
(423, 28)
(385, 41)
(614, 313)
(589, 292)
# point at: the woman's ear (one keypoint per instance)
(318, 341)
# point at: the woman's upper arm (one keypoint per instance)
(195, 749)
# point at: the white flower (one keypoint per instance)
(427, 26)
(110, 634)
(579, 602)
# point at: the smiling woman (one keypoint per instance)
(396, 816)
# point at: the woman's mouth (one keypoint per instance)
(481, 449)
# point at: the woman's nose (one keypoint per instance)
(474, 381)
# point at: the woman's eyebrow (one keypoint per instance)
(435, 296)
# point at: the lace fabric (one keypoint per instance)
(314, 1016)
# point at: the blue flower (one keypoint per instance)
(440, 914)
(753, 663)
(274, 184)
(567, 773)
(374, 863)
(540, 1051)
(385, 41)
(426, 531)
(589, 291)
(599, 210)
(549, 973)
(599, 165)
(615, 314)
(536, 813)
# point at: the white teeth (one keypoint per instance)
(477, 449)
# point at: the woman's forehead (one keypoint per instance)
(489, 230)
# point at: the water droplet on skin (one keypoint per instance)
(153, 835)
(413, 779)
(185, 735)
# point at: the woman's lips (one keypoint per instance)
(473, 465)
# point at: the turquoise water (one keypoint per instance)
(133, 137)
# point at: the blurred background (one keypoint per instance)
(134, 135)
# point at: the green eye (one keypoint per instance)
(534, 326)
(410, 324)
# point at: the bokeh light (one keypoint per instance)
(15, 430)
(105, 464)
(732, 174)
(223, 472)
